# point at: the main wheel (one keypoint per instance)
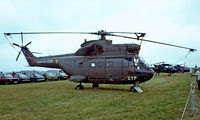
(132, 89)
(79, 87)
(94, 85)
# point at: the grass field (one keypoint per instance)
(59, 100)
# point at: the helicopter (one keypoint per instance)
(98, 61)
(163, 67)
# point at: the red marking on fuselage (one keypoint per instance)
(136, 60)
(31, 58)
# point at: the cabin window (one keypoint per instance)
(93, 64)
(109, 64)
(80, 64)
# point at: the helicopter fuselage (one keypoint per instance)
(98, 69)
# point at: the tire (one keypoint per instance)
(6, 83)
(32, 80)
(79, 87)
(132, 89)
(95, 85)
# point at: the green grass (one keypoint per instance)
(59, 100)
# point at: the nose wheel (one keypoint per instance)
(136, 88)
(79, 87)
(132, 89)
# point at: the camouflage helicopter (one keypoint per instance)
(163, 67)
(98, 61)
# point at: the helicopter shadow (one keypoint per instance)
(107, 89)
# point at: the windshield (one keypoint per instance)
(63, 74)
(1, 76)
(143, 61)
(22, 75)
(38, 75)
(8, 76)
(50, 74)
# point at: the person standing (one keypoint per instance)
(2, 75)
(191, 71)
(13, 74)
(197, 74)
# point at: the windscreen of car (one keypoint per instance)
(1, 76)
(22, 75)
(28, 74)
(8, 76)
(38, 75)
(50, 74)
(62, 74)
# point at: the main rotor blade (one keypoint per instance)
(127, 32)
(18, 55)
(8, 34)
(16, 45)
(27, 44)
(96, 33)
(191, 49)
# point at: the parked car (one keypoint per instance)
(50, 76)
(180, 68)
(22, 77)
(62, 76)
(36, 77)
(8, 79)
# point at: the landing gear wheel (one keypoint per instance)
(94, 85)
(132, 89)
(79, 87)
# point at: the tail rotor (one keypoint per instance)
(22, 47)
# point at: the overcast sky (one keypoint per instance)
(171, 21)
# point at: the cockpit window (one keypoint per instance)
(143, 61)
(132, 61)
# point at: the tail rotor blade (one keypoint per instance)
(16, 45)
(36, 52)
(27, 44)
(18, 55)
